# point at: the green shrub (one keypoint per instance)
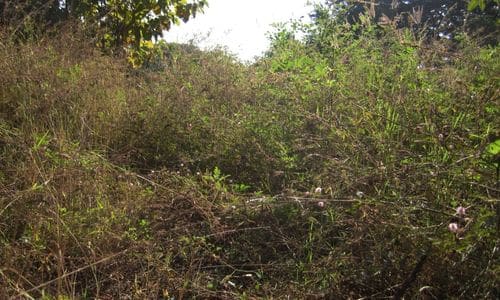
(333, 172)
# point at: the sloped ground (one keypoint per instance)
(199, 179)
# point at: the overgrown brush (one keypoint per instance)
(303, 175)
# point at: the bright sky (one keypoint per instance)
(240, 25)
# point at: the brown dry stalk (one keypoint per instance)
(24, 293)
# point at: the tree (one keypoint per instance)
(118, 23)
(443, 18)
(18, 15)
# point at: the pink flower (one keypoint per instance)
(321, 204)
(461, 211)
(453, 227)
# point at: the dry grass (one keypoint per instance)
(196, 179)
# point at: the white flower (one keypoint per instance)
(360, 194)
(453, 227)
(321, 204)
(318, 190)
(461, 211)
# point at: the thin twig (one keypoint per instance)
(411, 278)
(236, 230)
(485, 186)
(132, 173)
(24, 293)
(245, 265)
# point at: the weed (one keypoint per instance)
(99, 197)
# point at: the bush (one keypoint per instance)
(368, 171)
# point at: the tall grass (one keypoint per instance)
(195, 176)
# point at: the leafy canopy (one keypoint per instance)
(443, 18)
(116, 22)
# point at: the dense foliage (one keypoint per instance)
(427, 18)
(117, 23)
(367, 167)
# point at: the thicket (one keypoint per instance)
(367, 171)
